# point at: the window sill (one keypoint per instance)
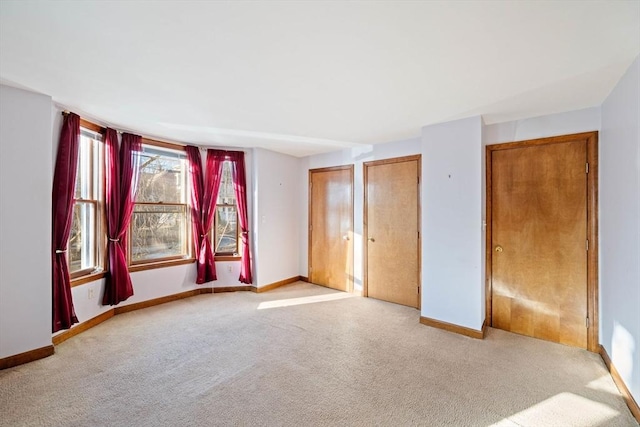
(227, 258)
(161, 264)
(88, 278)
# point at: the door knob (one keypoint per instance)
(498, 248)
(345, 237)
(371, 239)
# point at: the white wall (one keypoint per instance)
(452, 260)
(26, 178)
(277, 216)
(356, 156)
(620, 227)
(578, 121)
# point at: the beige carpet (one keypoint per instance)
(304, 355)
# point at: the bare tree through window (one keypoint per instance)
(225, 239)
(159, 223)
(85, 225)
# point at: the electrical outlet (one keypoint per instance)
(90, 293)
(229, 269)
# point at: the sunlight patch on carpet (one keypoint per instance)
(602, 384)
(303, 300)
(564, 409)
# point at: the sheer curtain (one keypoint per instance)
(204, 194)
(121, 174)
(64, 181)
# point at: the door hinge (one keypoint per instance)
(418, 290)
(587, 244)
(587, 323)
(310, 227)
(418, 235)
(587, 167)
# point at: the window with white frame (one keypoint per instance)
(159, 229)
(85, 245)
(225, 237)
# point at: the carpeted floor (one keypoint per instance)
(304, 355)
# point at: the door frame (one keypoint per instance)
(350, 168)
(592, 224)
(365, 217)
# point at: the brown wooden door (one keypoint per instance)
(331, 227)
(539, 241)
(392, 250)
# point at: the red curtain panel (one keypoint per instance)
(204, 194)
(121, 174)
(64, 181)
(240, 187)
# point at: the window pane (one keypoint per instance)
(158, 232)
(162, 178)
(79, 178)
(81, 241)
(226, 235)
(226, 195)
(83, 177)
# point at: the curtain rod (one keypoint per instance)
(201, 147)
(120, 132)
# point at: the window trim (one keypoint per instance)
(143, 265)
(161, 264)
(225, 256)
(86, 275)
(93, 276)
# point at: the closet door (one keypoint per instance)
(331, 227)
(392, 230)
(539, 233)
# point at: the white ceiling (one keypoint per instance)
(308, 77)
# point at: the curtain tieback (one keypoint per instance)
(61, 251)
(245, 233)
(114, 240)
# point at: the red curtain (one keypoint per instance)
(240, 187)
(204, 194)
(64, 182)
(121, 182)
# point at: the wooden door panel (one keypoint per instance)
(539, 233)
(331, 227)
(392, 248)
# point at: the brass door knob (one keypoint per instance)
(498, 248)
(345, 237)
(371, 239)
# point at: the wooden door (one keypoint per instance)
(392, 218)
(331, 227)
(539, 231)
